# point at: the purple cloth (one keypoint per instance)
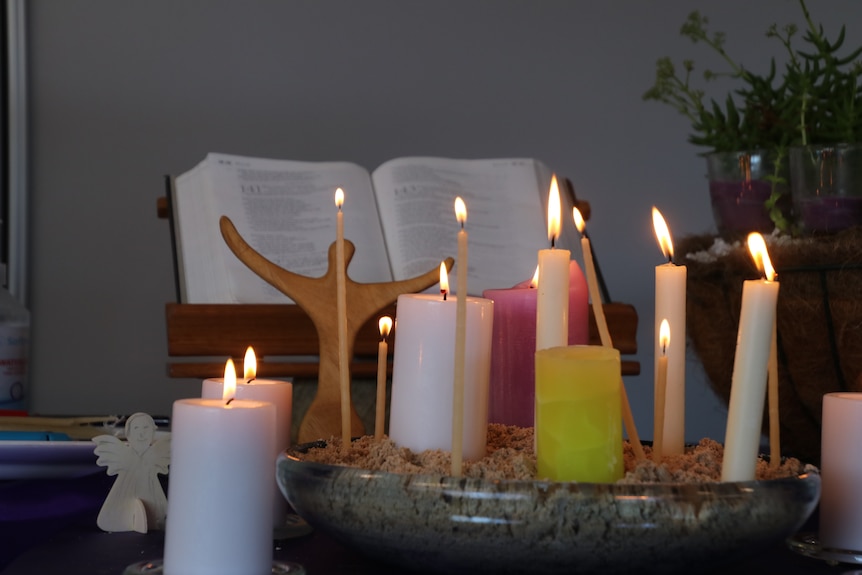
(34, 509)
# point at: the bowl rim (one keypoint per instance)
(809, 474)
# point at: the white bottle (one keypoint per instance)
(14, 351)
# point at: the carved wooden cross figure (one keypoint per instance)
(316, 296)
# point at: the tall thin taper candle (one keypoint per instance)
(604, 333)
(385, 325)
(660, 392)
(341, 311)
(772, 390)
(750, 371)
(670, 296)
(460, 342)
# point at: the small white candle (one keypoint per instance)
(552, 297)
(660, 392)
(384, 325)
(219, 516)
(277, 392)
(341, 314)
(748, 382)
(670, 301)
(841, 472)
(420, 409)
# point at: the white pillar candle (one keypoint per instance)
(420, 409)
(841, 472)
(219, 516)
(280, 394)
(670, 301)
(552, 297)
(748, 382)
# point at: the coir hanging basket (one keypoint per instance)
(819, 319)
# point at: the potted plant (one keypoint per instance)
(749, 136)
(826, 157)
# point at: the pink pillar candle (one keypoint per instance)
(420, 411)
(512, 387)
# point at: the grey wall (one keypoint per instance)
(125, 92)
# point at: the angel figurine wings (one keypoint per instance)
(136, 501)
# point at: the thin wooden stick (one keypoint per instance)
(772, 389)
(604, 333)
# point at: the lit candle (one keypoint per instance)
(552, 301)
(748, 382)
(578, 414)
(385, 324)
(341, 313)
(420, 408)
(604, 333)
(219, 515)
(277, 392)
(460, 336)
(660, 391)
(670, 300)
(513, 349)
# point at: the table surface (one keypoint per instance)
(70, 542)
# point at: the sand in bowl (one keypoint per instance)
(510, 455)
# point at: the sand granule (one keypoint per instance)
(510, 455)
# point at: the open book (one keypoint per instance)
(400, 217)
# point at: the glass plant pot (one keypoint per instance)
(826, 183)
(739, 186)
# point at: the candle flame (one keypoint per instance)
(757, 247)
(339, 198)
(444, 280)
(579, 220)
(249, 365)
(229, 387)
(664, 336)
(534, 283)
(460, 211)
(554, 211)
(662, 234)
(385, 325)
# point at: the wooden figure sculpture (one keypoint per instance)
(316, 296)
(136, 501)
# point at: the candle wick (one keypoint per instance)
(669, 259)
(552, 241)
(229, 400)
(444, 295)
(249, 380)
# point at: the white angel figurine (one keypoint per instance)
(136, 501)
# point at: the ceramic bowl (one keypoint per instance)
(443, 524)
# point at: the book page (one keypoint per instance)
(506, 203)
(286, 211)
(202, 276)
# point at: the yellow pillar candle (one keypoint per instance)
(579, 414)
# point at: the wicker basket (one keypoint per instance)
(819, 323)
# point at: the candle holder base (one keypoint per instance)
(808, 544)
(157, 567)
